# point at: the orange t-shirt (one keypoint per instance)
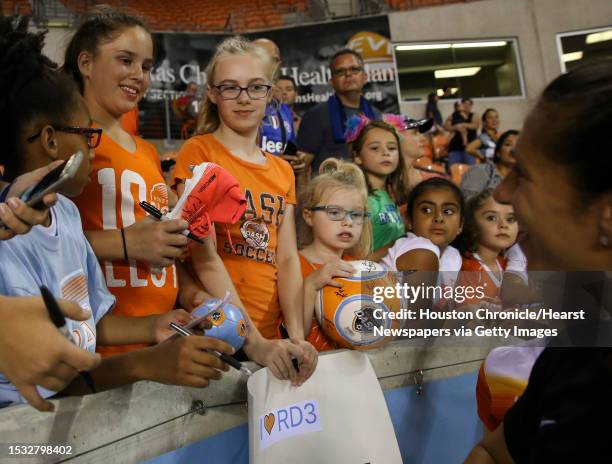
(475, 273)
(129, 121)
(119, 181)
(268, 188)
(316, 337)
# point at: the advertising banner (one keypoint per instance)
(305, 53)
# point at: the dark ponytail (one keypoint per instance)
(101, 24)
(31, 90)
(572, 120)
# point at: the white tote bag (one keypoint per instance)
(339, 416)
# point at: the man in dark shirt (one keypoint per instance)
(289, 93)
(277, 126)
(321, 133)
(277, 133)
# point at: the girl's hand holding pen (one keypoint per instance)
(185, 361)
(157, 214)
(156, 242)
(282, 357)
(184, 332)
(180, 317)
(308, 363)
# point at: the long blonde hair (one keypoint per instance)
(334, 175)
(208, 119)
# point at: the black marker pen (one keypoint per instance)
(157, 214)
(223, 357)
(59, 321)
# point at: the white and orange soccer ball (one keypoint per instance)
(348, 315)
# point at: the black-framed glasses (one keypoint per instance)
(347, 71)
(93, 135)
(335, 213)
(233, 91)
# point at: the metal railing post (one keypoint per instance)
(168, 142)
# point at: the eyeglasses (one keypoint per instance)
(233, 92)
(335, 213)
(92, 135)
(347, 71)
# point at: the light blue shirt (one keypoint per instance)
(60, 258)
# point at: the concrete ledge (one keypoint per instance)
(146, 419)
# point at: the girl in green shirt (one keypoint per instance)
(375, 146)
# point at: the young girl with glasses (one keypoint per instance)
(336, 226)
(261, 257)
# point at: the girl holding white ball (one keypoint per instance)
(336, 229)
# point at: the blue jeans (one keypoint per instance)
(460, 157)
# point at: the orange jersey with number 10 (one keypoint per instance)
(119, 181)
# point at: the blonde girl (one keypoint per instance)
(261, 257)
(336, 229)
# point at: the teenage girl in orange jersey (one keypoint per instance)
(110, 57)
(261, 257)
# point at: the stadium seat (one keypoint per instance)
(211, 15)
(439, 144)
(428, 151)
(425, 164)
(202, 15)
(188, 129)
(457, 171)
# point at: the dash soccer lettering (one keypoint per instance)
(268, 207)
(261, 255)
(263, 213)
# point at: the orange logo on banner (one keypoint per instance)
(373, 47)
(269, 422)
